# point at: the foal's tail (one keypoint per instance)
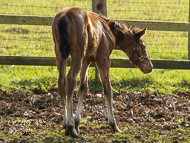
(63, 32)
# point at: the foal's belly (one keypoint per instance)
(90, 58)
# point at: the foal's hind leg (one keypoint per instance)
(61, 65)
(70, 86)
(81, 92)
(103, 67)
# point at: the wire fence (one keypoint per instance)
(41, 8)
(154, 10)
(38, 41)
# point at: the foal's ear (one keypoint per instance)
(132, 27)
(140, 33)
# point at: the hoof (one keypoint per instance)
(116, 129)
(77, 128)
(66, 132)
(77, 122)
(72, 132)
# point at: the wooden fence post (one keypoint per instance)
(189, 36)
(99, 6)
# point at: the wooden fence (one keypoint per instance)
(115, 63)
(98, 6)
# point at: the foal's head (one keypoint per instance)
(130, 41)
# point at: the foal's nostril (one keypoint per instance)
(149, 69)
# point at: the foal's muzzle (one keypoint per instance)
(146, 68)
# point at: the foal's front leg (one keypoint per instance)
(103, 68)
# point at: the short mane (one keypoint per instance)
(119, 24)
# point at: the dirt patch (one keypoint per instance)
(30, 117)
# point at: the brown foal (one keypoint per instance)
(89, 37)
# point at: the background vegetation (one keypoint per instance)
(37, 41)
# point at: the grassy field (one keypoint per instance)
(37, 41)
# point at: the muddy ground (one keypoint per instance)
(26, 116)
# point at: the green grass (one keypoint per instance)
(45, 78)
(37, 41)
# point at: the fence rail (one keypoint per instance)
(116, 63)
(47, 21)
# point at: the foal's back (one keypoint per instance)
(86, 33)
